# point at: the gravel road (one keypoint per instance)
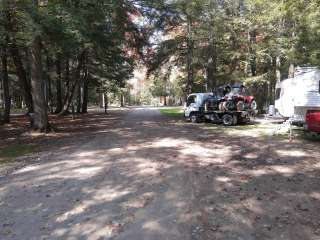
(151, 177)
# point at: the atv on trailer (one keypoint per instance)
(211, 107)
(237, 97)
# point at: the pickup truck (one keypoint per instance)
(313, 121)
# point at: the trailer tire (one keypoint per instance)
(227, 119)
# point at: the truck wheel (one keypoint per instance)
(227, 120)
(194, 118)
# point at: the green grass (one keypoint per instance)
(172, 112)
(10, 153)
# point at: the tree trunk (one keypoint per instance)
(106, 101)
(278, 70)
(67, 82)
(292, 66)
(276, 78)
(40, 118)
(76, 80)
(252, 53)
(291, 71)
(16, 57)
(212, 62)
(79, 97)
(190, 58)
(5, 81)
(85, 94)
(22, 76)
(58, 86)
(121, 99)
(49, 85)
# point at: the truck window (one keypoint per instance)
(191, 99)
(278, 92)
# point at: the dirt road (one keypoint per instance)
(146, 176)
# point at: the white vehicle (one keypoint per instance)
(194, 104)
(295, 96)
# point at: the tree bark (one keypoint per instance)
(22, 76)
(291, 70)
(76, 80)
(58, 86)
(212, 62)
(21, 72)
(252, 53)
(121, 99)
(79, 98)
(278, 69)
(85, 93)
(17, 59)
(106, 101)
(14, 51)
(190, 58)
(67, 82)
(5, 81)
(49, 84)
(40, 118)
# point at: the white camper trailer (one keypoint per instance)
(294, 96)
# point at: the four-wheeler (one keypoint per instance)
(236, 97)
(232, 108)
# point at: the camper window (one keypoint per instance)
(278, 92)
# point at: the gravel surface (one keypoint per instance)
(146, 176)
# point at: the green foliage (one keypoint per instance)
(159, 88)
(240, 39)
(112, 34)
(210, 42)
(172, 112)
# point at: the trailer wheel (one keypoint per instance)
(227, 120)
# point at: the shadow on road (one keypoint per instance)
(147, 176)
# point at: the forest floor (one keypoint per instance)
(137, 174)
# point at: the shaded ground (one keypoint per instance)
(17, 140)
(140, 175)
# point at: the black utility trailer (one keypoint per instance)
(227, 118)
